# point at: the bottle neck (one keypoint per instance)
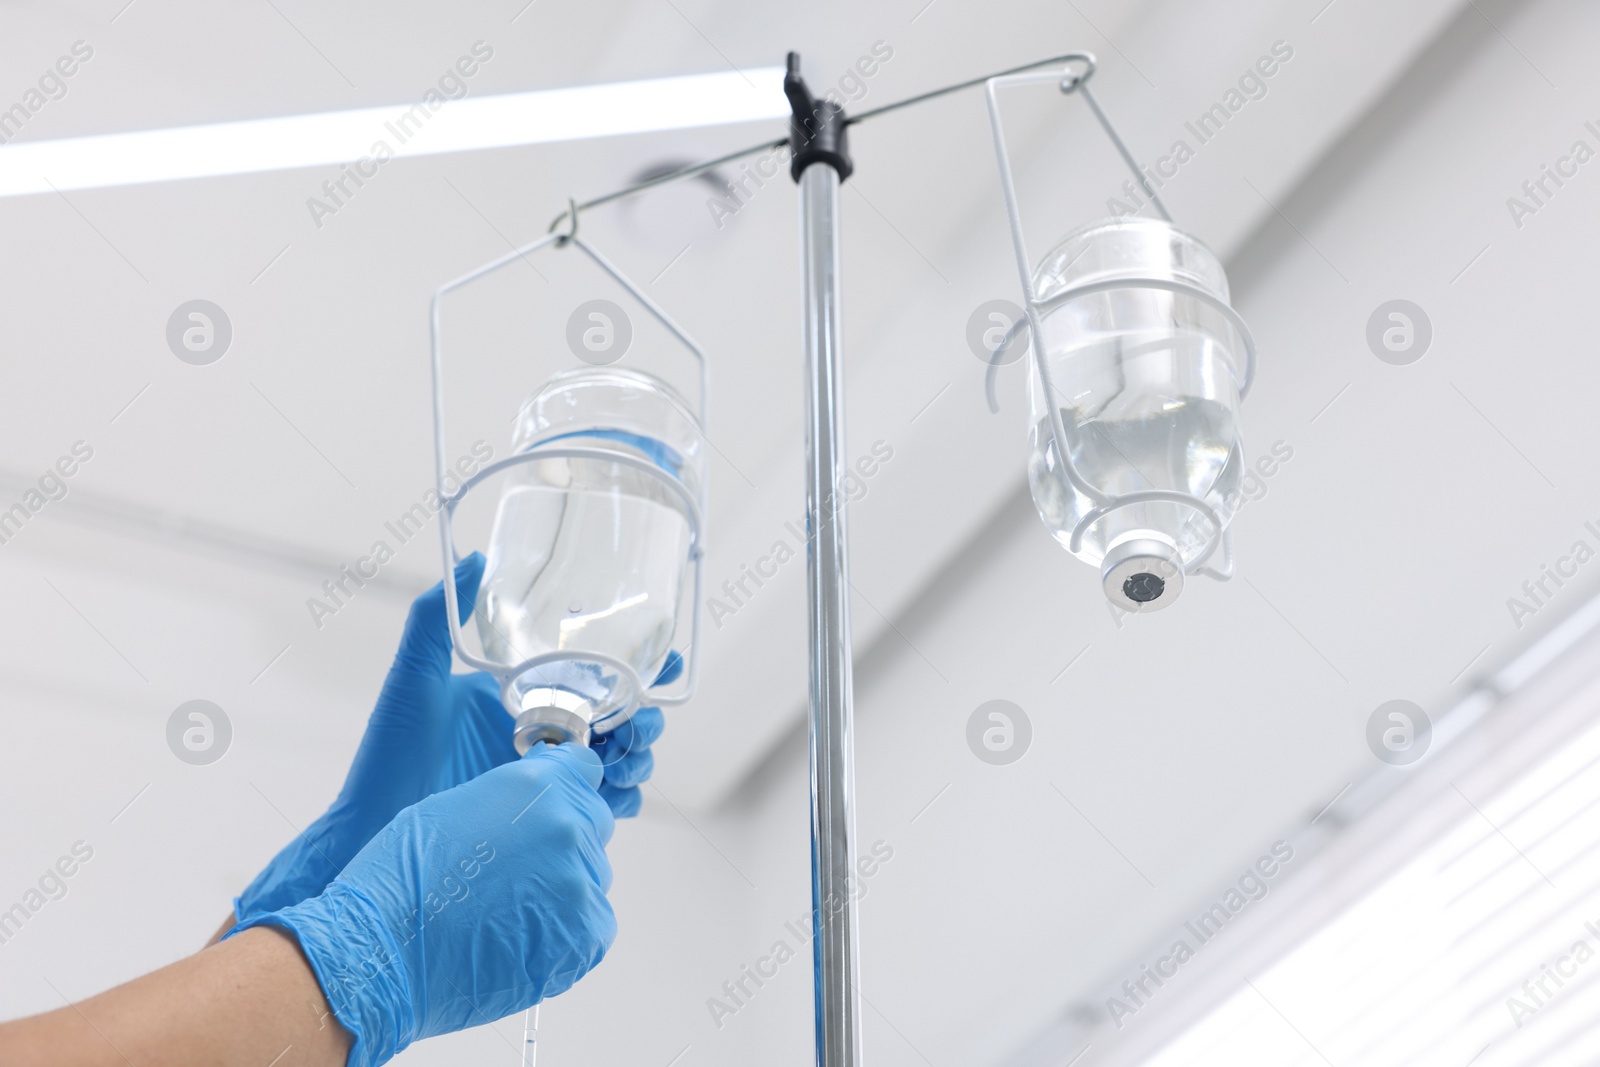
(554, 716)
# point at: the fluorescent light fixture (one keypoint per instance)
(334, 137)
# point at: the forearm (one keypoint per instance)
(251, 1000)
(227, 924)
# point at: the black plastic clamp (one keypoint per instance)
(817, 128)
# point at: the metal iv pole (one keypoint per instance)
(820, 163)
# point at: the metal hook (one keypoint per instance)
(572, 230)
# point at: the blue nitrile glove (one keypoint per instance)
(475, 903)
(429, 731)
(625, 751)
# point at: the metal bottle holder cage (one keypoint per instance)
(631, 683)
(1072, 81)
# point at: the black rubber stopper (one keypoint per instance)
(1143, 587)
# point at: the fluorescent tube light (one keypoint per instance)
(336, 137)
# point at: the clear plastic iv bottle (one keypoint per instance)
(1146, 381)
(589, 556)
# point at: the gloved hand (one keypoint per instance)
(432, 730)
(625, 751)
(477, 902)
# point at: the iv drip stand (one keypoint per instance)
(820, 164)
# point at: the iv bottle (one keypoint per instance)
(1146, 381)
(589, 556)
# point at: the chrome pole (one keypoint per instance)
(838, 1008)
